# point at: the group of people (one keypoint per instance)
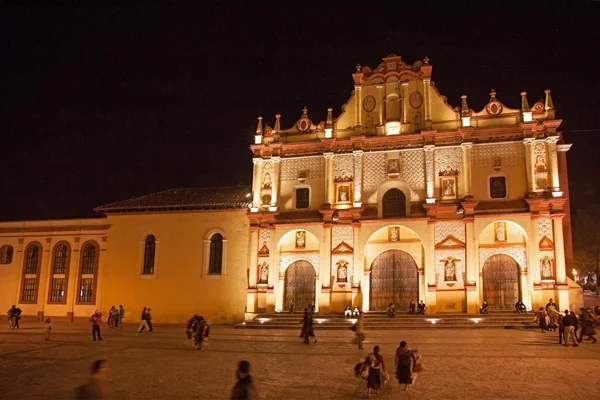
(414, 308)
(198, 329)
(351, 313)
(407, 363)
(115, 317)
(14, 315)
(145, 320)
(519, 307)
(549, 318)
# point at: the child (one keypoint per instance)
(48, 329)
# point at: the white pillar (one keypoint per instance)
(559, 249)
(404, 102)
(429, 171)
(466, 150)
(380, 104)
(252, 265)
(366, 290)
(358, 90)
(257, 161)
(358, 177)
(427, 82)
(358, 264)
(275, 182)
(528, 143)
(553, 158)
(328, 178)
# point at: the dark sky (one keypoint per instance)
(104, 104)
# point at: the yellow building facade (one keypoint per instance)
(401, 197)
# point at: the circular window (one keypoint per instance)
(369, 103)
(303, 124)
(494, 108)
(416, 99)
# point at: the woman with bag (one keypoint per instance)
(404, 365)
(376, 370)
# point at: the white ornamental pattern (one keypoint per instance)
(291, 167)
(289, 258)
(545, 229)
(448, 158)
(336, 259)
(343, 166)
(443, 229)
(539, 149)
(265, 235)
(517, 252)
(342, 233)
(267, 168)
(357, 175)
(375, 173)
(510, 154)
(412, 168)
(440, 257)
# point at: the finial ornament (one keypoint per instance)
(259, 126)
(426, 60)
(493, 95)
(548, 105)
(358, 67)
(277, 123)
(304, 111)
(464, 106)
(329, 121)
(524, 104)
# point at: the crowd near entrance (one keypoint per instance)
(394, 279)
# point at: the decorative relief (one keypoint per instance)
(545, 229)
(458, 260)
(443, 229)
(547, 264)
(313, 167)
(267, 175)
(288, 258)
(411, 166)
(342, 233)
(357, 175)
(343, 166)
(265, 235)
(517, 252)
(375, 173)
(448, 159)
(510, 154)
(337, 260)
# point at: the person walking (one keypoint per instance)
(96, 320)
(47, 329)
(12, 316)
(376, 368)
(307, 327)
(149, 320)
(404, 362)
(587, 325)
(143, 322)
(112, 317)
(541, 317)
(561, 327)
(18, 317)
(200, 329)
(93, 389)
(244, 388)
(360, 331)
(570, 327)
(120, 317)
(313, 308)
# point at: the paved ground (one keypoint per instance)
(460, 364)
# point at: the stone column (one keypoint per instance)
(533, 250)
(252, 269)
(429, 171)
(525, 288)
(257, 161)
(358, 263)
(380, 105)
(472, 265)
(328, 178)
(279, 306)
(404, 102)
(553, 161)
(358, 177)
(325, 255)
(275, 182)
(46, 275)
(466, 150)
(427, 83)
(429, 247)
(528, 142)
(559, 249)
(358, 89)
(366, 290)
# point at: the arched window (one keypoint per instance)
(6, 254)
(149, 255)
(59, 273)
(215, 265)
(393, 204)
(88, 275)
(31, 273)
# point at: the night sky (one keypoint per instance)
(103, 104)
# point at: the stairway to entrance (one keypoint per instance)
(378, 320)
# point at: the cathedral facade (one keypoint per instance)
(400, 198)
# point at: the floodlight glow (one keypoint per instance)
(466, 121)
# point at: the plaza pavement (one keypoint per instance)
(459, 364)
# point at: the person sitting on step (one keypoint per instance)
(347, 312)
(391, 311)
(484, 308)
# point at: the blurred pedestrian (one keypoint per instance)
(588, 321)
(307, 327)
(542, 319)
(570, 327)
(96, 319)
(112, 317)
(360, 331)
(292, 306)
(404, 365)
(47, 329)
(149, 320)
(93, 389)
(120, 317)
(376, 368)
(143, 322)
(244, 388)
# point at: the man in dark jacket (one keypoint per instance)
(570, 327)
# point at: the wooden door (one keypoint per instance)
(394, 279)
(299, 285)
(501, 282)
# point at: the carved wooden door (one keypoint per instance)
(394, 279)
(299, 285)
(501, 282)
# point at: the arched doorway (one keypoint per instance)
(501, 282)
(394, 279)
(299, 285)
(393, 204)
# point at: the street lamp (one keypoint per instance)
(575, 274)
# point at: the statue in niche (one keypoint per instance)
(540, 164)
(394, 234)
(342, 272)
(300, 239)
(267, 181)
(546, 268)
(501, 232)
(393, 166)
(264, 273)
(450, 270)
(448, 187)
(343, 194)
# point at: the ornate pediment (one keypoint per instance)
(546, 244)
(342, 248)
(264, 251)
(450, 243)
